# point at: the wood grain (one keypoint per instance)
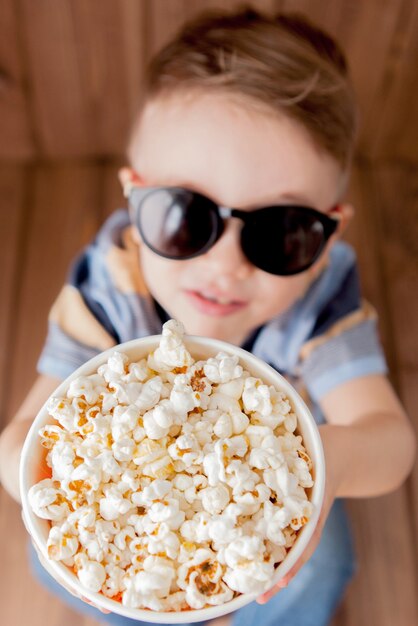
(397, 133)
(383, 591)
(398, 198)
(22, 599)
(12, 185)
(16, 141)
(71, 75)
(77, 57)
(63, 216)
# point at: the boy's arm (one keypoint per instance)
(368, 440)
(369, 446)
(13, 436)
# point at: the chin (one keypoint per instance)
(215, 328)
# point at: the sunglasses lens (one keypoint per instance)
(177, 223)
(284, 241)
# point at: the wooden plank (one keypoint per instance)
(196, 6)
(11, 254)
(63, 203)
(365, 233)
(165, 18)
(352, 24)
(77, 57)
(15, 134)
(409, 394)
(399, 207)
(133, 26)
(383, 530)
(384, 84)
(397, 133)
(64, 209)
(112, 191)
(383, 591)
(23, 600)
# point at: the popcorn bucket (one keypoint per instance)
(33, 468)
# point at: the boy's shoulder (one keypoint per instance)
(105, 291)
(328, 336)
(110, 260)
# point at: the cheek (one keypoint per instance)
(161, 275)
(277, 293)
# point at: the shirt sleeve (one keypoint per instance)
(104, 302)
(78, 328)
(62, 354)
(348, 350)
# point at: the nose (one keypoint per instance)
(226, 260)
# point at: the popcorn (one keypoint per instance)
(88, 388)
(62, 458)
(176, 484)
(61, 545)
(96, 547)
(113, 504)
(172, 352)
(201, 578)
(197, 529)
(150, 584)
(222, 369)
(113, 584)
(215, 499)
(249, 502)
(152, 459)
(48, 501)
(123, 421)
(92, 575)
(223, 528)
(150, 394)
(51, 434)
(243, 550)
(186, 449)
(223, 426)
(251, 577)
(164, 542)
(167, 511)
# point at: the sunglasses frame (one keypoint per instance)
(136, 195)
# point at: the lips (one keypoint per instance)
(214, 304)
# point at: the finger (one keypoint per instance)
(87, 601)
(304, 558)
(310, 548)
(283, 582)
(265, 597)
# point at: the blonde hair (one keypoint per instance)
(281, 61)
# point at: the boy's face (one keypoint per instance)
(239, 158)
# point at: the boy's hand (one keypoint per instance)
(11, 443)
(331, 489)
(46, 566)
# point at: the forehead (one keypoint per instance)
(237, 155)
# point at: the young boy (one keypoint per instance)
(239, 163)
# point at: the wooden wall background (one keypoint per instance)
(70, 77)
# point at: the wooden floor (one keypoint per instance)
(70, 76)
(49, 211)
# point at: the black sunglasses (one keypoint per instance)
(178, 223)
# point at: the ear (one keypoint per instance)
(136, 237)
(345, 213)
(129, 178)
